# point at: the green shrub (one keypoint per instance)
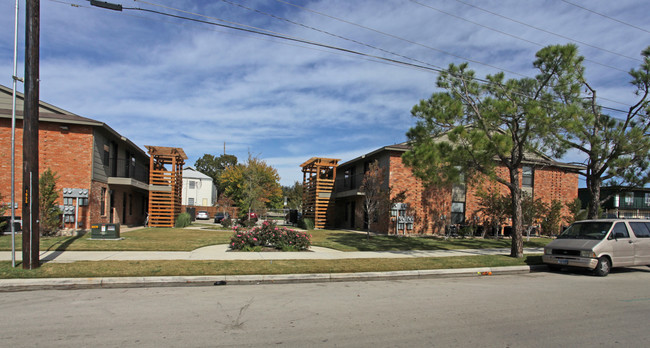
(183, 220)
(306, 224)
(269, 235)
(226, 223)
(2, 213)
(49, 213)
(466, 231)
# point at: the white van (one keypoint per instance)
(600, 245)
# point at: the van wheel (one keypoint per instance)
(603, 267)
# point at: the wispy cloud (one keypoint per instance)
(164, 81)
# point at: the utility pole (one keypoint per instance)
(30, 197)
(13, 142)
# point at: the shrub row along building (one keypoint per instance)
(420, 209)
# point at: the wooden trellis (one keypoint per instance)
(166, 186)
(318, 176)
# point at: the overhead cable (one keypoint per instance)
(303, 41)
(547, 31)
(504, 33)
(606, 16)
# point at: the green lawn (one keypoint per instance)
(352, 241)
(178, 239)
(145, 239)
(87, 269)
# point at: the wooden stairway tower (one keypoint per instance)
(166, 186)
(319, 175)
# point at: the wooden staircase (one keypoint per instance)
(166, 185)
(318, 179)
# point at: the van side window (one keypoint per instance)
(641, 229)
(620, 230)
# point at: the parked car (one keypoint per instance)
(202, 215)
(218, 217)
(599, 245)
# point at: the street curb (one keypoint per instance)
(11, 285)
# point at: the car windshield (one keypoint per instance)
(587, 230)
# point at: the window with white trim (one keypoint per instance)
(527, 176)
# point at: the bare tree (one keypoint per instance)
(376, 193)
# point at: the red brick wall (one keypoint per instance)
(427, 205)
(552, 183)
(68, 153)
(94, 201)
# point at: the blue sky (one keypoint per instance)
(171, 82)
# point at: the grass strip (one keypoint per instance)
(353, 241)
(145, 239)
(93, 269)
(179, 239)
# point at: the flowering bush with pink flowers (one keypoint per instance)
(269, 235)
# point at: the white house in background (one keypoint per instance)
(198, 188)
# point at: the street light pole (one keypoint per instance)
(13, 143)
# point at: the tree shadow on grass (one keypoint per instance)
(63, 245)
(533, 260)
(360, 242)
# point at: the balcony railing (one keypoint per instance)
(636, 203)
(347, 182)
(134, 170)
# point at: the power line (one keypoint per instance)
(436, 69)
(547, 31)
(402, 39)
(503, 32)
(425, 46)
(327, 32)
(308, 42)
(606, 16)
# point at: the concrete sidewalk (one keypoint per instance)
(219, 252)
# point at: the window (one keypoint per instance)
(527, 176)
(190, 201)
(107, 155)
(102, 201)
(620, 231)
(192, 184)
(641, 229)
(629, 198)
(457, 212)
(647, 199)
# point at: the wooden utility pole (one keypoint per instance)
(30, 196)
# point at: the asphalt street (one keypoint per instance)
(568, 309)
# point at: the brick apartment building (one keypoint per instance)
(429, 210)
(86, 155)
